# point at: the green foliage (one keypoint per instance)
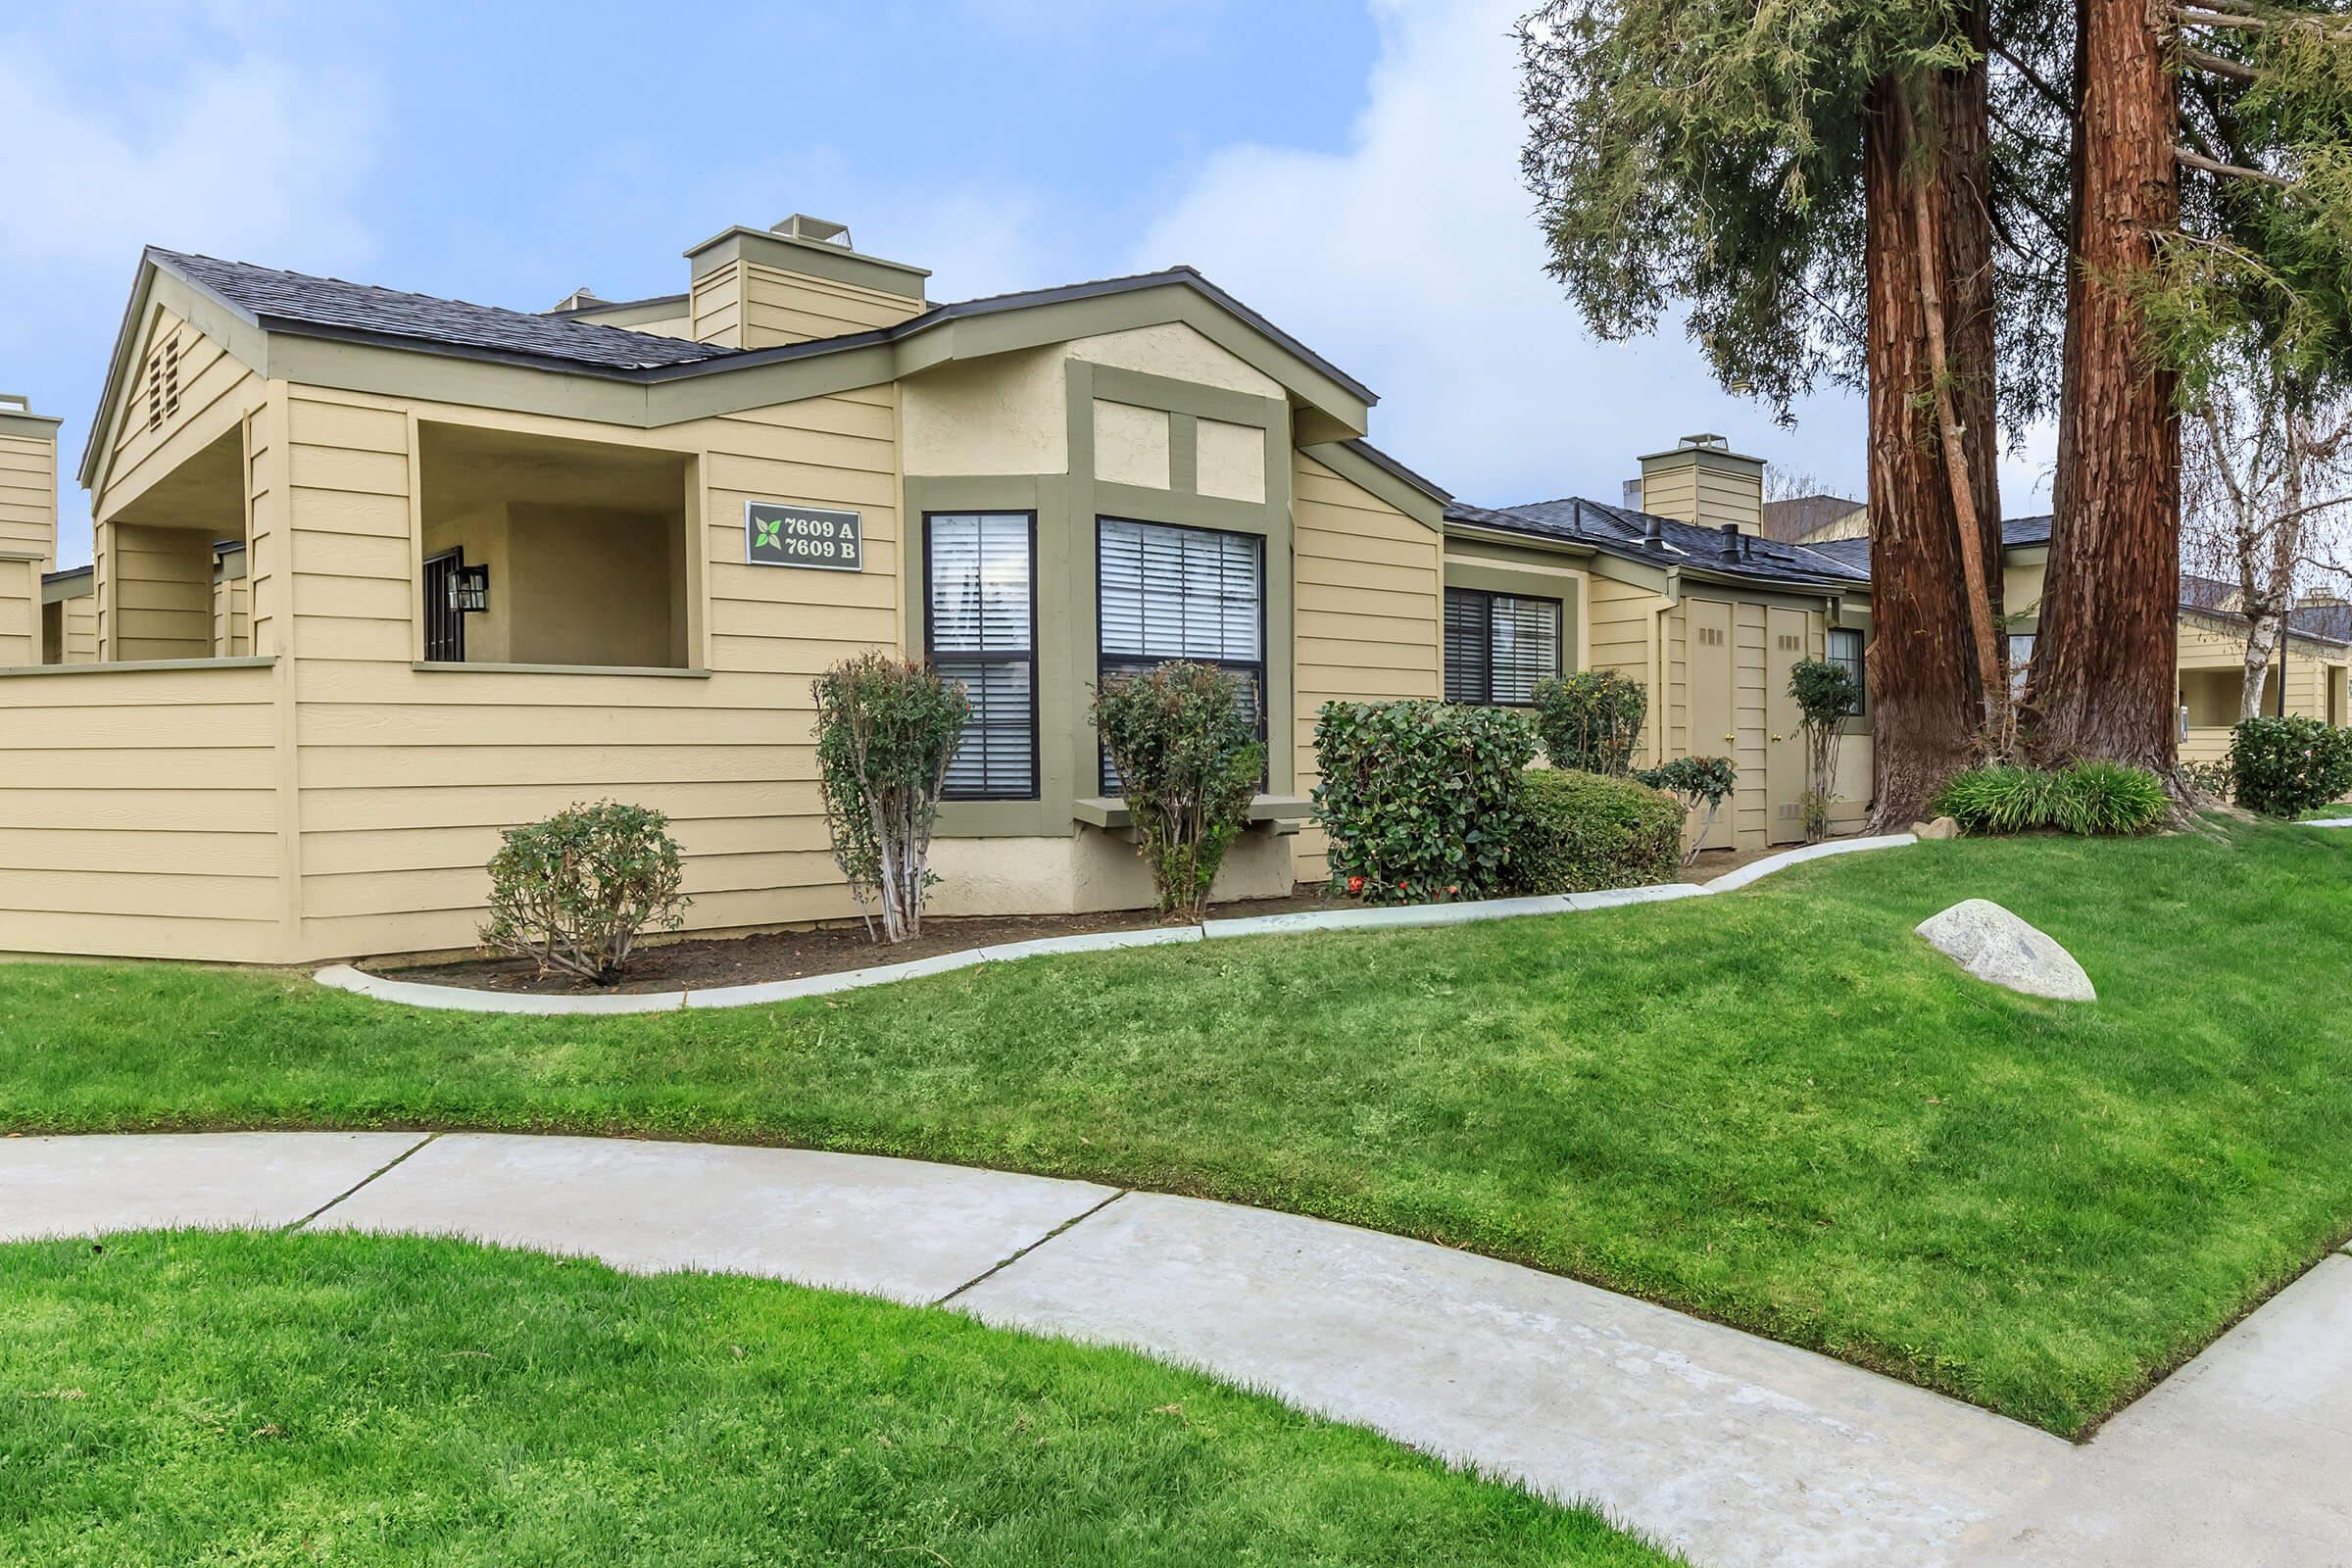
(1826, 695)
(1706, 156)
(2091, 797)
(2285, 766)
(886, 730)
(1188, 761)
(1591, 719)
(1422, 800)
(1695, 781)
(1585, 832)
(2209, 779)
(575, 892)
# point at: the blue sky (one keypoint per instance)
(1348, 167)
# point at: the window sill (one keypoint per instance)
(1279, 814)
(430, 666)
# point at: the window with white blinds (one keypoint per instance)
(981, 629)
(1498, 646)
(1169, 593)
(1845, 649)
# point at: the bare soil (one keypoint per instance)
(704, 962)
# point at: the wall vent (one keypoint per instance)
(163, 384)
(1710, 636)
(1790, 644)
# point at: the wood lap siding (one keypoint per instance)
(1369, 610)
(1622, 637)
(407, 776)
(795, 307)
(138, 813)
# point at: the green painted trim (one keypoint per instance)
(629, 312)
(58, 587)
(1741, 593)
(1365, 474)
(838, 263)
(15, 671)
(1115, 383)
(20, 553)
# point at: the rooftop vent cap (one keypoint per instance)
(1653, 534)
(14, 402)
(1705, 441)
(1731, 540)
(817, 231)
(579, 299)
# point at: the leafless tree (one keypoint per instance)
(2266, 502)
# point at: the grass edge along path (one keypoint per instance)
(1775, 1108)
(209, 1396)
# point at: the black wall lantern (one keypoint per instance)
(469, 589)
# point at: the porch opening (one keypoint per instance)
(163, 580)
(543, 551)
(2212, 696)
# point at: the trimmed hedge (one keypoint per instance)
(2090, 799)
(1422, 800)
(1591, 719)
(1585, 832)
(2285, 766)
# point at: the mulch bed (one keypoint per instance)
(704, 962)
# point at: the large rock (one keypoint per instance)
(1997, 947)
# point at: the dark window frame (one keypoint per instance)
(1859, 663)
(1102, 659)
(931, 654)
(1560, 641)
(444, 623)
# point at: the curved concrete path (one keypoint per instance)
(1733, 1450)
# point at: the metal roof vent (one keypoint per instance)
(14, 402)
(1705, 441)
(1730, 541)
(817, 231)
(1653, 534)
(579, 299)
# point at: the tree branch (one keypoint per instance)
(2214, 166)
(2034, 79)
(2198, 17)
(2235, 71)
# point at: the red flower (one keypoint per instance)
(1355, 884)
(1453, 890)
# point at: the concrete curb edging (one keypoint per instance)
(462, 999)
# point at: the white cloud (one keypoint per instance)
(1411, 259)
(247, 156)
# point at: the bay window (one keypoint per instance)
(980, 628)
(1180, 593)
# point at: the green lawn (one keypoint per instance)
(190, 1399)
(1777, 1108)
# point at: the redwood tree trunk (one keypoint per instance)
(2103, 681)
(1925, 699)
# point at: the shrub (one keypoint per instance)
(576, 891)
(2095, 797)
(1825, 693)
(1591, 720)
(2285, 766)
(1584, 832)
(1188, 760)
(1695, 781)
(1421, 799)
(2091, 798)
(886, 730)
(2208, 778)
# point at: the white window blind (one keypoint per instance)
(983, 633)
(1166, 593)
(1498, 646)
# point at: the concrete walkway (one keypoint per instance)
(1731, 1449)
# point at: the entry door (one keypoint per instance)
(1712, 732)
(1784, 754)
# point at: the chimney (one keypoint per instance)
(793, 281)
(28, 526)
(1701, 480)
(2321, 599)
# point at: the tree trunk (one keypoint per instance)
(1925, 699)
(2262, 640)
(2103, 670)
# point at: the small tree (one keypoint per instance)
(575, 892)
(2286, 766)
(1184, 739)
(1695, 781)
(1591, 720)
(1826, 694)
(886, 730)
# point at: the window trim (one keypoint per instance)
(931, 651)
(1265, 701)
(1560, 641)
(454, 558)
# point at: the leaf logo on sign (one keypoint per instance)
(770, 533)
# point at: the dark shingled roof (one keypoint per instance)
(2017, 533)
(301, 300)
(1620, 531)
(328, 305)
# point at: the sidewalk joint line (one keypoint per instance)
(1003, 1263)
(361, 1182)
